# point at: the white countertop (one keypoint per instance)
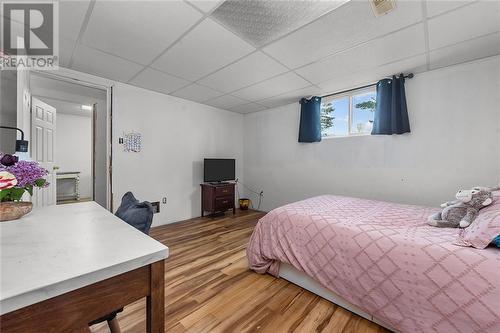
(56, 249)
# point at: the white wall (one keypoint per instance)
(74, 148)
(455, 143)
(176, 135)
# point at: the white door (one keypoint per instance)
(43, 132)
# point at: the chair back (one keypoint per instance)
(137, 214)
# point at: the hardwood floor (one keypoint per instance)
(209, 287)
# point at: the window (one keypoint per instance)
(347, 115)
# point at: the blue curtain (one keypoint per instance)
(310, 120)
(391, 113)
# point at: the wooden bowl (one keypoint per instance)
(12, 210)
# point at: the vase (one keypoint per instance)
(244, 203)
(12, 210)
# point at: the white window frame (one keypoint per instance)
(349, 94)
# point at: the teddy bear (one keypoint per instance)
(461, 212)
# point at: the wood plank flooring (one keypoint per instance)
(209, 287)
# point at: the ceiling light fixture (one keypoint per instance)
(262, 21)
(87, 107)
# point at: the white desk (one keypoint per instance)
(72, 251)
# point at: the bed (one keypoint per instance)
(382, 261)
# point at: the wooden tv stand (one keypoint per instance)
(217, 198)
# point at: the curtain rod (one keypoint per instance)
(409, 76)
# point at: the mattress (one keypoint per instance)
(385, 259)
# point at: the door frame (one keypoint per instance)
(94, 121)
(92, 81)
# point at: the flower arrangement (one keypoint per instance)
(18, 177)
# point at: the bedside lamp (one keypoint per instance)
(21, 145)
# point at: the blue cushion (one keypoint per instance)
(137, 214)
(496, 241)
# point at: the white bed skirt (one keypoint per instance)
(290, 273)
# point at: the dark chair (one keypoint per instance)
(140, 216)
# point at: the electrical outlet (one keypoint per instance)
(156, 206)
(164, 200)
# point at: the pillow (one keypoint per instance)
(137, 214)
(128, 200)
(496, 241)
(485, 228)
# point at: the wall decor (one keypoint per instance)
(132, 142)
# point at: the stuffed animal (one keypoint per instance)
(461, 212)
(486, 188)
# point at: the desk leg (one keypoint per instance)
(155, 302)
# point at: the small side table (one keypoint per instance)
(72, 175)
(217, 198)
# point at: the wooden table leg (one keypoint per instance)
(155, 302)
(114, 326)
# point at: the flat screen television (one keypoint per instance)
(218, 170)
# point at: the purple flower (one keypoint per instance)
(26, 172)
(8, 160)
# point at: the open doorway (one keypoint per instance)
(75, 116)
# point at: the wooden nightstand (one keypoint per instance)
(217, 198)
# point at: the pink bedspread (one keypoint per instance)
(384, 258)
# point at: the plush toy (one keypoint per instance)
(486, 188)
(461, 212)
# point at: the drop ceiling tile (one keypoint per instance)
(95, 62)
(155, 80)
(272, 87)
(206, 5)
(344, 27)
(226, 102)
(247, 108)
(466, 51)
(138, 30)
(66, 47)
(465, 23)
(249, 70)
(197, 93)
(203, 50)
(290, 97)
(71, 16)
(415, 64)
(436, 7)
(374, 53)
